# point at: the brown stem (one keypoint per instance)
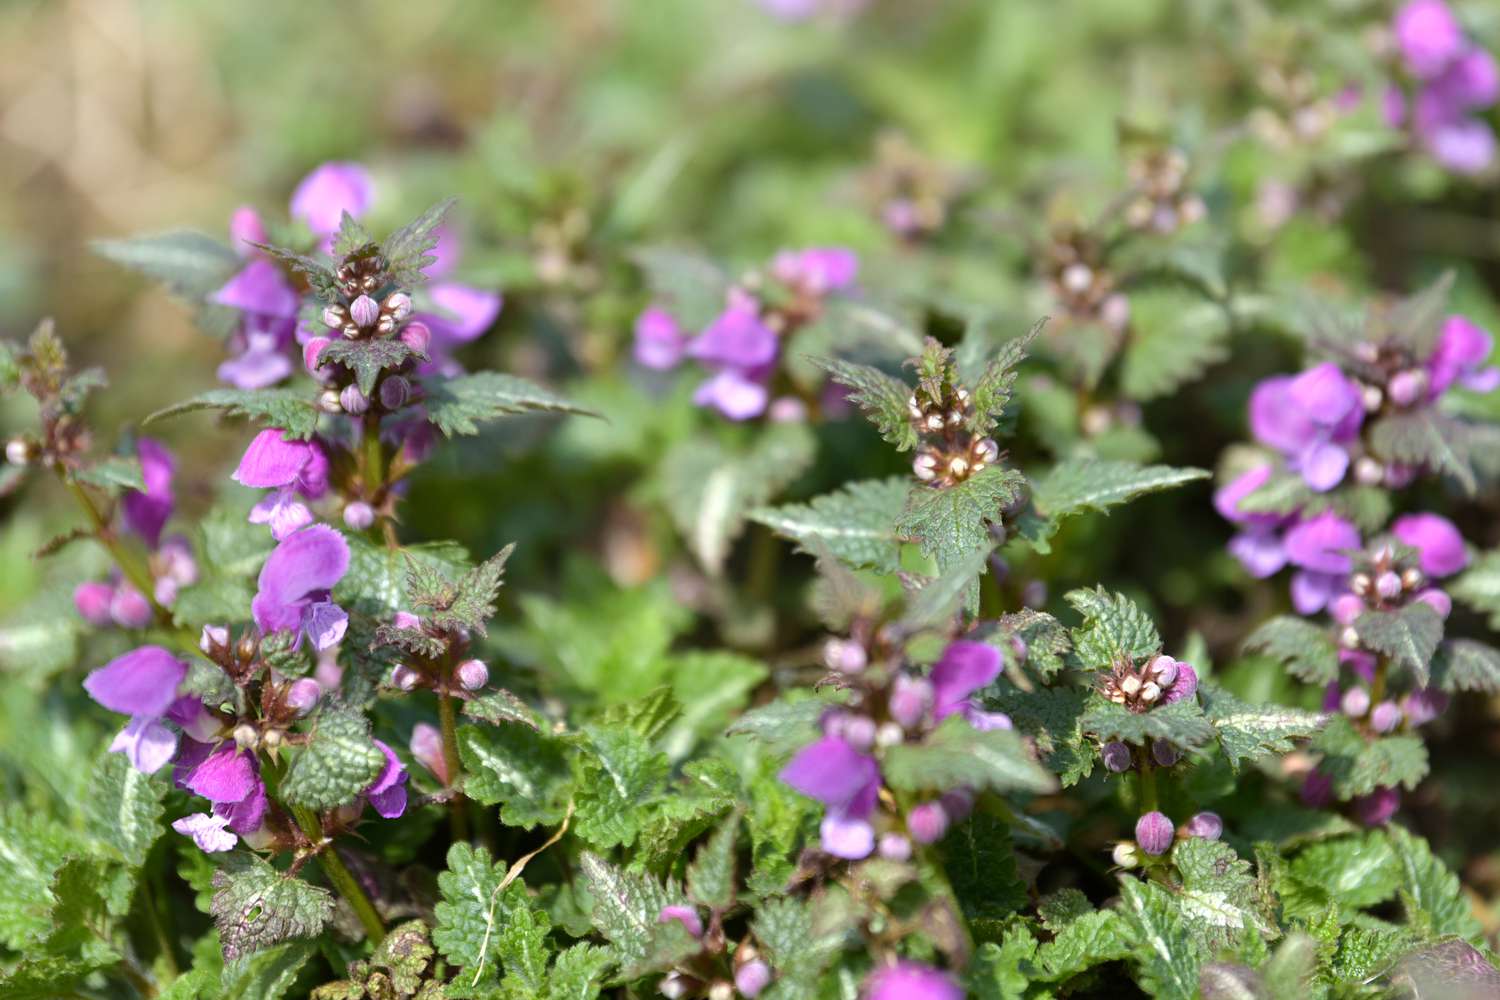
(133, 569)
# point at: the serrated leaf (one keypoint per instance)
(709, 489)
(256, 906)
(1357, 871)
(1249, 732)
(285, 409)
(618, 774)
(882, 398)
(352, 236)
(1466, 665)
(1433, 897)
(1046, 640)
(1174, 338)
(32, 848)
(935, 603)
(523, 770)
(626, 906)
(578, 973)
(1358, 766)
(1181, 723)
(710, 878)
(337, 763)
(115, 472)
(1051, 718)
(320, 278)
(981, 867)
(192, 264)
(367, 359)
(781, 724)
(856, 524)
(406, 249)
(474, 909)
(953, 522)
(1409, 635)
(459, 405)
(1113, 626)
(1305, 649)
(1424, 437)
(522, 946)
(124, 807)
(1166, 956)
(1079, 484)
(956, 754)
(267, 974)
(1479, 586)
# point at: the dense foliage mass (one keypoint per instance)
(814, 630)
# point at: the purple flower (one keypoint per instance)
(208, 831)
(294, 585)
(1183, 686)
(459, 315)
(659, 341)
(332, 189)
(1462, 348)
(1154, 833)
(736, 394)
(260, 288)
(1116, 756)
(1377, 808)
(274, 461)
(964, 668)
(227, 776)
(816, 270)
(847, 782)
(92, 600)
(927, 822)
(751, 978)
(911, 981)
(1207, 825)
(1428, 37)
(736, 338)
(684, 915)
(1320, 547)
(1307, 418)
(146, 512)
(388, 792)
(260, 357)
(1260, 551)
(427, 747)
(1317, 790)
(142, 682)
(1423, 705)
(1227, 499)
(910, 699)
(1440, 546)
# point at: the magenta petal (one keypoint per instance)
(1462, 347)
(391, 803)
(1441, 546)
(659, 341)
(282, 511)
(146, 513)
(1324, 394)
(390, 775)
(141, 682)
(832, 772)
(273, 460)
(1274, 420)
(736, 338)
(226, 775)
(463, 313)
(1312, 592)
(732, 394)
(1227, 499)
(207, 830)
(1323, 466)
(256, 367)
(246, 815)
(684, 915)
(1464, 147)
(964, 668)
(1260, 551)
(261, 289)
(146, 743)
(325, 624)
(1428, 36)
(1320, 543)
(911, 981)
(310, 561)
(847, 838)
(332, 189)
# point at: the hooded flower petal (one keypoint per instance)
(733, 394)
(1321, 543)
(911, 981)
(1323, 466)
(259, 288)
(1274, 420)
(736, 338)
(249, 813)
(307, 563)
(146, 743)
(1428, 37)
(1260, 551)
(1312, 592)
(388, 794)
(1327, 397)
(659, 341)
(684, 915)
(142, 682)
(274, 460)
(1462, 347)
(463, 313)
(227, 774)
(1464, 147)
(1441, 546)
(847, 838)
(964, 668)
(282, 511)
(1227, 499)
(325, 623)
(332, 189)
(207, 830)
(834, 773)
(146, 512)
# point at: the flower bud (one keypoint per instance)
(1378, 807)
(1115, 312)
(473, 675)
(957, 803)
(1317, 790)
(1355, 702)
(1207, 825)
(427, 748)
(92, 601)
(751, 978)
(272, 739)
(303, 695)
(910, 699)
(393, 392)
(1411, 578)
(129, 607)
(398, 304)
(1154, 833)
(310, 352)
(684, 915)
(1385, 716)
(859, 732)
(958, 467)
(927, 822)
(213, 637)
(334, 317)
(1349, 638)
(405, 677)
(417, 337)
(894, 847)
(986, 451)
(405, 619)
(1371, 397)
(1423, 705)
(889, 735)
(1164, 670)
(246, 736)
(1077, 278)
(845, 656)
(328, 401)
(364, 311)
(358, 515)
(675, 986)
(1125, 855)
(352, 401)
(1367, 471)
(924, 467)
(1130, 684)
(1150, 691)
(1164, 753)
(1406, 388)
(1345, 608)
(245, 649)
(1116, 756)
(787, 410)
(1388, 585)
(1436, 599)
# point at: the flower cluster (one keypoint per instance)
(1161, 201)
(1450, 81)
(888, 706)
(1080, 281)
(741, 345)
(1155, 834)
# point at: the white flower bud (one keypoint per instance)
(1349, 638)
(246, 737)
(1372, 398)
(473, 675)
(328, 401)
(958, 468)
(924, 467)
(1077, 278)
(1367, 471)
(335, 317)
(213, 637)
(986, 450)
(889, 734)
(1150, 691)
(405, 677)
(1125, 855)
(1130, 684)
(398, 304)
(17, 451)
(1412, 578)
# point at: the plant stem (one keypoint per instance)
(1148, 784)
(158, 926)
(447, 718)
(333, 866)
(1377, 686)
(134, 570)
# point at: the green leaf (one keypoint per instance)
(1166, 956)
(1249, 732)
(710, 878)
(1356, 871)
(1424, 437)
(981, 867)
(368, 358)
(1305, 649)
(1046, 640)
(1174, 338)
(856, 524)
(459, 405)
(693, 288)
(267, 974)
(1077, 485)
(191, 264)
(1219, 894)
(709, 489)
(468, 603)
(1113, 626)
(1051, 718)
(1432, 895)
(849, 328)
(285, 409)
(32, 846)
(339, 761)
(626, 906)
(937, 601)
(1092, 939)
(883, 399)
(352, 236)
(124, 807)
(711, 687)
(1466, 665)
(1409, 635)
(618, 774)
(115, 472)
(524, 770)
(406, 249)
(783, 725)
(474, 910)
(951, 523)
(1181, 723)
(578, 973)
(1358, 766)
(958, 754)
(1479, 586)
(793, 944)
(255, 906)
(522, 946)
(320, 278)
